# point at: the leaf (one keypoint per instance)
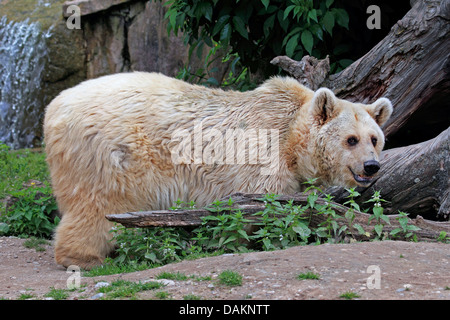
(221, 22)
(328, 3)
(302, 230)
(265, 3)
(312, 197)
(268, 25)
(225, 34)
(377, 211)
(307, 40)
(316, 29)
(395, 231)
(378, 229)
(204, 9)
(313, 15)
(359, 228)
(288, 10)
(239, 25)
(341, 17)
(328, 22)
(244, 234)
(350, 215)
(151, 256)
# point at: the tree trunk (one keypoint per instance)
(252, 203)
(410, 66)
(413, 179)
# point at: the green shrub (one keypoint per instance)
(258, 30)
(30, 213)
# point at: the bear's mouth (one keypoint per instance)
(361, 178)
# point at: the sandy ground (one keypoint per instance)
(373, 270)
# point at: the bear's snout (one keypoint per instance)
(371, 167)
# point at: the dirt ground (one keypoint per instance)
(372, 270)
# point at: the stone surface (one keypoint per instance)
(90, 6)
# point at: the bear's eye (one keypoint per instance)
(352, 141)
(374, 141)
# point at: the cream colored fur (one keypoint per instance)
(109, 144)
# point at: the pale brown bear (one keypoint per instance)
(141, 141)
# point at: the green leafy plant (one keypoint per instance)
(378, 214)
(258, 30)
(19, 166)
(405, 228)
(349, 295)
(230, 278)
(152, 246)
(308, 276)
(31, 213)
(127, 289)
(443, 237)
(281, 226)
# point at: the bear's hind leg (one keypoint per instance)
(83, 239)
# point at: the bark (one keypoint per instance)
(410, 66)
(252, 203)
(413, 179)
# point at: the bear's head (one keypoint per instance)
(346, 138)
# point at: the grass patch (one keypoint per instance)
(162, 295)
(18, 167)
(230, 278)
(172, 276)
(308, 276)
(349, 295)
(120, 289)
(57, 294)
(110, 267)
(36, 243)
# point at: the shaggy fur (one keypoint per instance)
(110, 148)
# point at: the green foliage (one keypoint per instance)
(236, 76)
(31, 213)
(57, 294)
(443, 237)
(127, 289)
(378, 214)
(230, 278)
(308, 276)
(151, 246)
(281, 226)
(405, 228)
(349, 295)
(258, 30)
(18, 167)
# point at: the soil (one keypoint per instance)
(405, 270)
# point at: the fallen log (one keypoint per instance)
(250, 204)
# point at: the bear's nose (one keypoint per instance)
(371, 167)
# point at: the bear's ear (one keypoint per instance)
(380, 110)
(323, 104)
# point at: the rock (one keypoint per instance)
(101, 284)
(89, 6)
(97, 296)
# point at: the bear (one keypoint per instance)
(141, 141)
